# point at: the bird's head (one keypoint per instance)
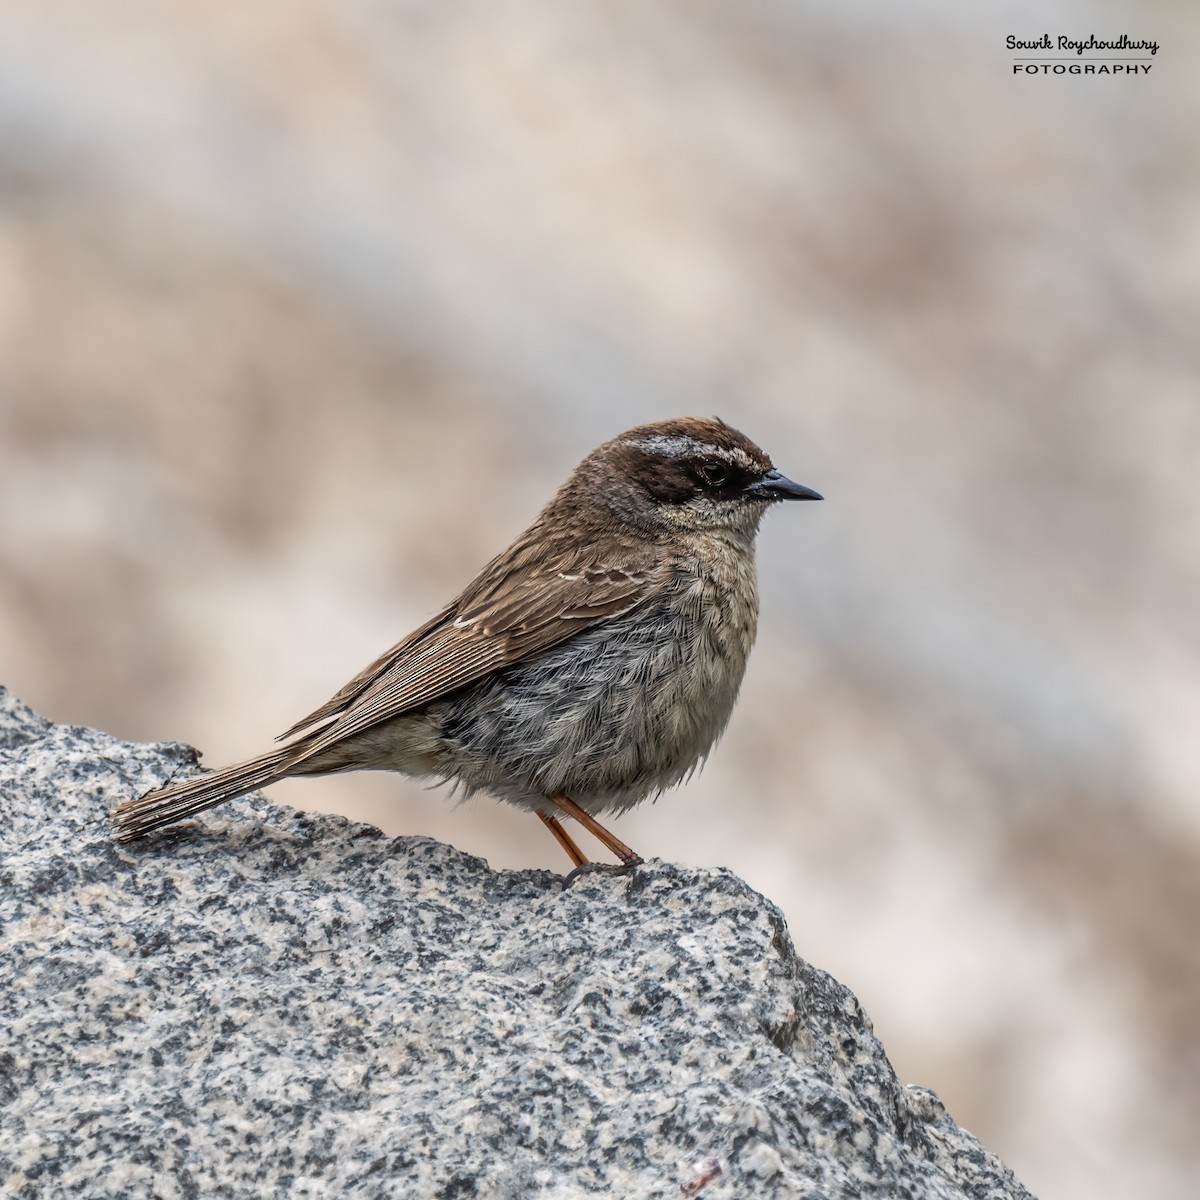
(686, 474)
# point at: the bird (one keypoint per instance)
(588, 667)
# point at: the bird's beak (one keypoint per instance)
(774, 486)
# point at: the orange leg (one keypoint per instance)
(563, 838)
(628, 857)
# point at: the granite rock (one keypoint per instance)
(265, 1002)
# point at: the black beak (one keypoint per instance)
(774, 486)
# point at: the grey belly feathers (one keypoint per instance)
(611, 717)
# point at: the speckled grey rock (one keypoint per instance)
(268, 1003)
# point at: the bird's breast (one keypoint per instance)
(715, 625)
(625, 708)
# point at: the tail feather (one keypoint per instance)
(163, 806)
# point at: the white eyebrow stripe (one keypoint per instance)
(681, 446)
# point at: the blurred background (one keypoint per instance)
(307, 306)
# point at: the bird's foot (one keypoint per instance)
(625, 868)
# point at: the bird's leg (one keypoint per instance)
(628, 857)
(563, 838)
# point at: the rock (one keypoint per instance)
(265, 1002)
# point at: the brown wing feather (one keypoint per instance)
(521, 609)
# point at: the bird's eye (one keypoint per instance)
(714, 473)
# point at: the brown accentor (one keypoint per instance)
(589, 666)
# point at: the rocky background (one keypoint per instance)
(290, 1004)
(306, 307)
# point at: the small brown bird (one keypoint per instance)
(591, 665)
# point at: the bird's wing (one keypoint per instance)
(521, 609)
